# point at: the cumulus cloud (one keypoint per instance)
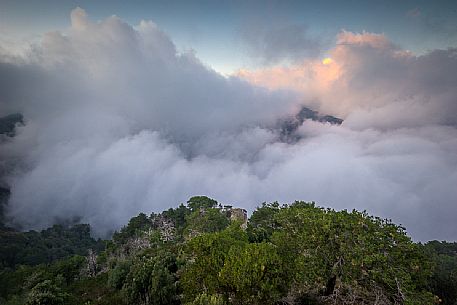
(95, 85)
(118, 122)
(372, 83)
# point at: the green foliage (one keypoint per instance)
(289, 254)
(135, 226)
(69, 268)
(262, 223)
(178, 217)
(12, 281)
(118, 275)
(443, 281)
(55, 243)
(21, 281)
(95, 291)
(442, 248)
(206, 254)
(201, 202)
(206, 221)
(151, 280)
(205, 299)
(46, 293)
(350, 256)
(253, 274)
(4, 196)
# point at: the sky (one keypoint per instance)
(136, 108)
(216, 30)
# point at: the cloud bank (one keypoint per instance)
(118, 122)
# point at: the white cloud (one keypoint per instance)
(118, 122)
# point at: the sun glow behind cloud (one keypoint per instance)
(327, 61)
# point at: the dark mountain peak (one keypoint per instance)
(308, 114)
(289, 126)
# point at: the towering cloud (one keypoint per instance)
(118, 122)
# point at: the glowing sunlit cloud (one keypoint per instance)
(326, 84)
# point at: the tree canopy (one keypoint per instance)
(296, 253)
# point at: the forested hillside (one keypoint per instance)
(206, 253)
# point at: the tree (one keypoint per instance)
(201, 202)
(151, 280)
(135, 226)
(118, 275)
(443, 281)
(262, 222)
(206, 221)
(206, 256)
(289, 254)
(55, 243)
(178, 217)
(340, 256)
(69, 268)
(46, 293)
(253, 274)
(206, 299)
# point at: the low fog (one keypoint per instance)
(118, 121)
